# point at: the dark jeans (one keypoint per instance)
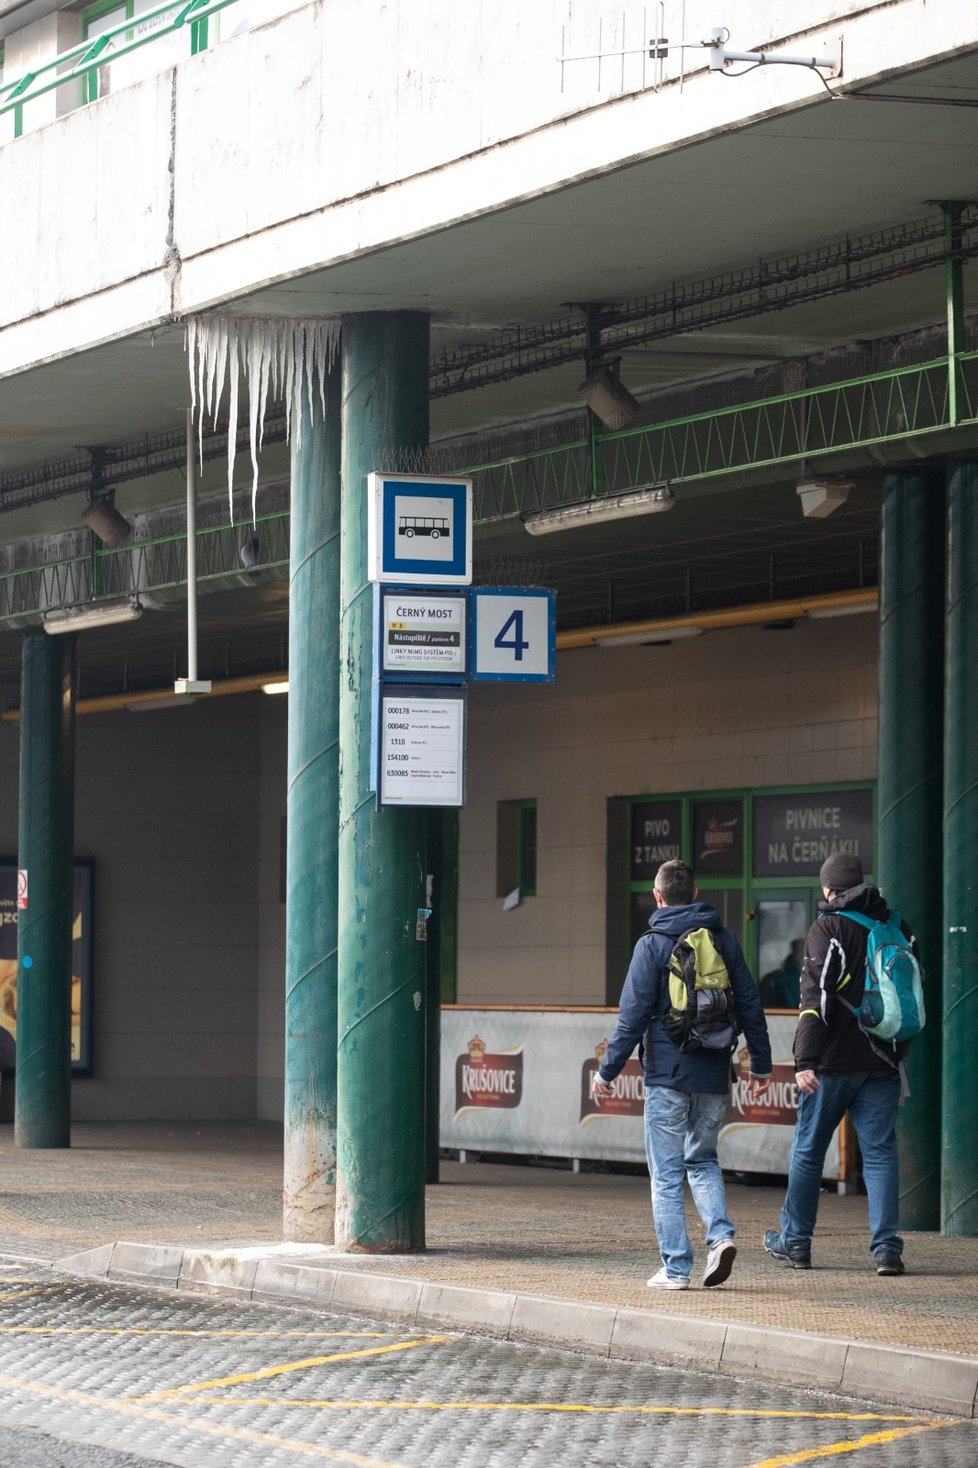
(872, 1102)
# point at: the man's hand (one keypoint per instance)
(758, 1087)
(807, 1081)
(600, 1089)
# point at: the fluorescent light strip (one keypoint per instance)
(76, 619)
(648, 501)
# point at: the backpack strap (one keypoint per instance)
(869, 924)
(857, 917)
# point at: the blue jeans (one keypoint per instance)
(681, 1133)
(872, 1102)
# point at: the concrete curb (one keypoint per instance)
(294, 1275)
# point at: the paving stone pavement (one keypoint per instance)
(525, 1231)
(176, 1378)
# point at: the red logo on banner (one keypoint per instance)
(22, 890)
(776, 1107)
(628, 1098)
(488, 1080)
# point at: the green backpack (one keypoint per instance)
(701, 1007)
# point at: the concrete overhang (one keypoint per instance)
(580, 209)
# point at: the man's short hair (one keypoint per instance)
(675, 882)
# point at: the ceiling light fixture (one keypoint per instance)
(647, 500)
(607, 396)
(650, 637)
(96, 614)
(821, 497)
(282, 687)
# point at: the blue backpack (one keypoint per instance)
(892, 1006)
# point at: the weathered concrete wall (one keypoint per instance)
(343, 127)
(728, 710)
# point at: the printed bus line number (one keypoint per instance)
(516, 644)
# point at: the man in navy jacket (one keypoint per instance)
(685, 1093)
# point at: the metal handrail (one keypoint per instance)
(90, 55)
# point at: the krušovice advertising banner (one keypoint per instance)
(520, 1082)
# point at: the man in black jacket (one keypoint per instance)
(838, 1068)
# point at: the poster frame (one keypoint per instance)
(84, 875)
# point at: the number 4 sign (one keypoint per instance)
(513, 634)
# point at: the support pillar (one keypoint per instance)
(910, 793)
(45, 850)
(381, 994)
(313, 806)
(959, 1158)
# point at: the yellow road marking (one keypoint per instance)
(190, 1424)
(613, 1409)
(267, 1371)
(832, 1450)
(322, 1335)
(36, 1290)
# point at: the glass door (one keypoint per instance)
(783, 918)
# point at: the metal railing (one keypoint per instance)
(154, 570)
(90, 55)
(814, 423)
(904, 404)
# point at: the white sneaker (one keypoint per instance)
(663, 1281)
(719, 1262)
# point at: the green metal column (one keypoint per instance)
(42, 1116)
(313, 807)
(910, 802)
(380, 1165)
(959, 1158)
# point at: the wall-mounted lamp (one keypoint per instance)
(606, 396)
(648, 501)
(104, 519)
(650, 637)
(76, 619)
(821, 497)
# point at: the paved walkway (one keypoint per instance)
(210, 1195)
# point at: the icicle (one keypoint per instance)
(232, 420)
(280, 360)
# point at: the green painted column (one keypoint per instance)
(309, 1179)
(45, 850)
(380, 1165)
(959, 1154)
(910, 793)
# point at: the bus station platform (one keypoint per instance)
(527, 1252)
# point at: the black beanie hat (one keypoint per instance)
(841, 871)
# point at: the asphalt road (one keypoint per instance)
(108, 1377)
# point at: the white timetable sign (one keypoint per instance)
(421, 746)
(422, 633)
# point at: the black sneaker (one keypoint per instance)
(799, 1256)
(888, 1261)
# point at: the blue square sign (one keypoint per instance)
(419, 530)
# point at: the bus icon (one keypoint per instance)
(434, 525)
